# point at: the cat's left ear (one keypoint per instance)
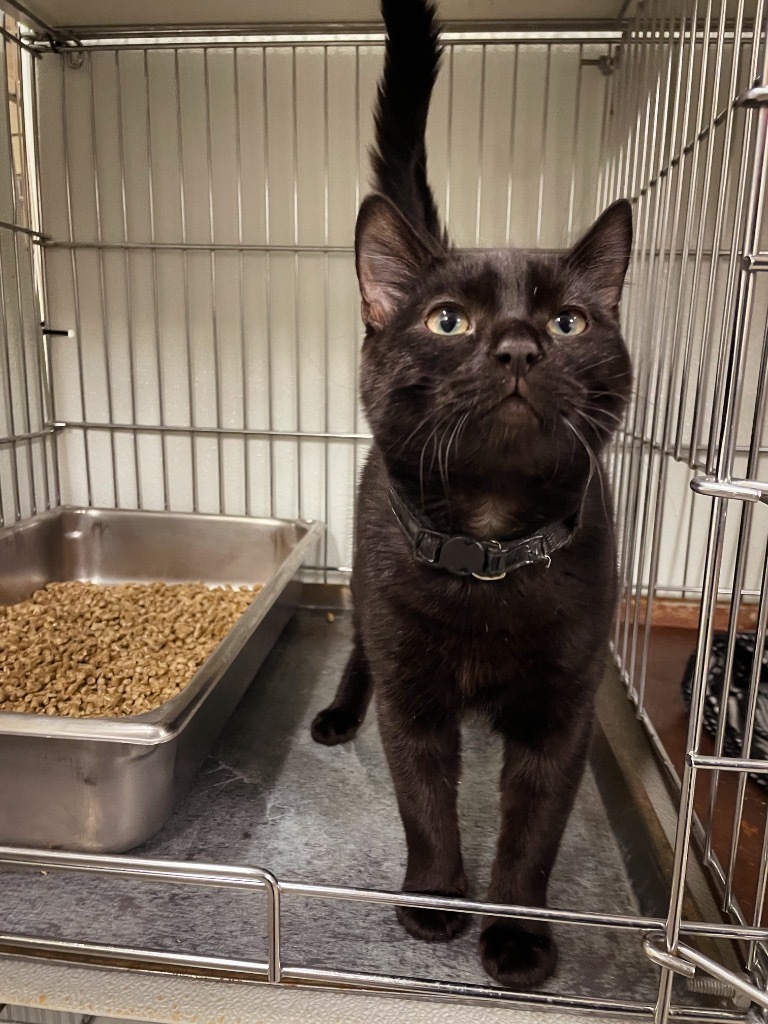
(602, 255)
(391, 258)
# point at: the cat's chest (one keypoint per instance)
(489, 518)
(494, 634)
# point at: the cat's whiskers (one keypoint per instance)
(422, 423)
(460, 424)
(603, 430)
(442, 420)
(595, 466)
(421, 461)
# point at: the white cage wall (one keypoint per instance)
(199, 204)
(27, 467)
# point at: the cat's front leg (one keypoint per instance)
(540, 776)
(340, 721)
(424, 755)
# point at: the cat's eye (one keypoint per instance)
(567, 324)
(449, 321)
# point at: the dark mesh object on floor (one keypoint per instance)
(737, 691)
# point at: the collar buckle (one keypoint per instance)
(462, 555)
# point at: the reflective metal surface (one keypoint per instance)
(100, 784)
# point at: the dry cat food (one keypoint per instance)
(106, 650)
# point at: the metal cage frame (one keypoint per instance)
(684, 120)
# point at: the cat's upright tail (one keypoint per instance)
(399, 157)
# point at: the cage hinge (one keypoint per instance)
(718, 980)
(606, 64)
(69, 46)
(755, 262)
(663, 958)
(57, 332)
(757, 96)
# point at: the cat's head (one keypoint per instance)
(483, 363)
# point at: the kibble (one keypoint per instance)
(108, 650)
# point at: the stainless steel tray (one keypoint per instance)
(106, 785)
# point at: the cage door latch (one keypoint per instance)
(741, 490)
(757, 96)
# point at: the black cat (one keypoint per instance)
(484, 575)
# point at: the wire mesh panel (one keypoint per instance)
(200, 202)
(27, 483)
(687, 143)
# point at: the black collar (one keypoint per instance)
(484, 559)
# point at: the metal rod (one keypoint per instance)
(449, 133)
(543, 153)
(22, 345)
(690, 220)
(481, 145)
(756, 261)
(37, 235)
(350, 981)
(643, 156)
(128, 289)
(760, 891)
(32, 162)
(576, 125)
(326, 311)
(9, 412)
(693, 303)
(168, 428)
(665, 363)
(732, 278)
(698, 694)
(300, 36)
(511, 151)
(729, 977)
(481, 994)
(244, 367)
(271, 382)
(739, 571)
(729, 764)
(18, 41)
(355, 310)
(653, 270)
(749, 725)
(296, 285)
(155, 285)
(33, 436)
(102, 282)
(75, 284)
(191, 368)
(217, 354)
(701, 402)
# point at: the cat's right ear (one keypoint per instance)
(390, 258)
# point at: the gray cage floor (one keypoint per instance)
(270, 797)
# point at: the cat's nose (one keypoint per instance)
(517, 355)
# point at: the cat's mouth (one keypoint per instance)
(516, 404)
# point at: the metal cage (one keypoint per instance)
(180, 333)
(688, 144)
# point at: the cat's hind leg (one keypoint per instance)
(339, 722)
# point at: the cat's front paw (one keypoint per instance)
(432, 925)
(517, 956)
(334, 725)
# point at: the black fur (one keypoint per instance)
(399, 160)
(491, 433)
